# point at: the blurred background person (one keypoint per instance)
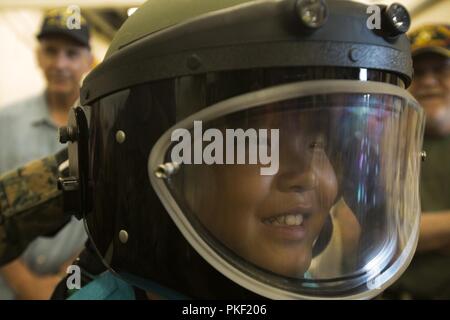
(428, 276)
(28, 130)
(26, 73)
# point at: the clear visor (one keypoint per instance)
(292, 192)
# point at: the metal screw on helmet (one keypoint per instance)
(123, 236)
(423, 155)
(193, 62)
(68, 184)
(120, 136)
(354, 54)
(313, 13)
(166, 170)
(66, 134)
(396, 20)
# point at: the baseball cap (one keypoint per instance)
(66, 22)
(431, 38)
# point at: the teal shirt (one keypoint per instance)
(105, 287)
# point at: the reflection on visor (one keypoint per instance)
(333, 216)
(261, 217)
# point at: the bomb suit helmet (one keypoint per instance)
(323, 203)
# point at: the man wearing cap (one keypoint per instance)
(28, 130)
(428, 276)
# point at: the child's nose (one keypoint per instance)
(296, 180)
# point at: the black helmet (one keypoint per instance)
(236, 148)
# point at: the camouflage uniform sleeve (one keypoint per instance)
(30, 206)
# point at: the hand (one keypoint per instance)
(26, 284)
(39, 288)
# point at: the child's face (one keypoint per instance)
(271, 221)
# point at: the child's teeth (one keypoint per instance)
(287, 220)
(280, 220)
(291, 220)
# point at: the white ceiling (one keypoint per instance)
(410, 4)
(62, 3)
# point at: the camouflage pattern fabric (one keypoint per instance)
(30, 206)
